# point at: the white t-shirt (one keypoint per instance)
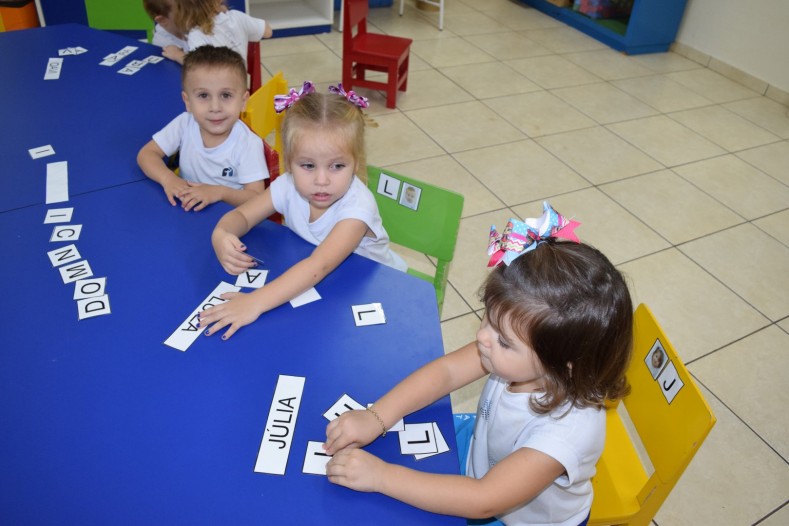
(233, 29)
(357, 203)
(506, 423)
(162, 38)
(237, 161)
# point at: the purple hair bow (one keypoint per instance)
(519, 237)
(352, 96)
(283, 102)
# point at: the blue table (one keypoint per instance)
(94, 117)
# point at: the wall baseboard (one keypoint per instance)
(732, 73)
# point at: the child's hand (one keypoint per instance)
(174, 53)
(198, 196)
(173, 188)
(230, 252)
(356, 469)
(240, 309)
(351, 429)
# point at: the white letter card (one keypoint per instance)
(280, 426)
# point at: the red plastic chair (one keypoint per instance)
(362, 51)
(253, 66)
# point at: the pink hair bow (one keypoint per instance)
(519, 237)
(352, 96)
(283, 102)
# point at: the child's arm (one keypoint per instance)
(420, 389)
(174, 53)
(198, 196)
(243, 309)
(514, 481)
(150, 161)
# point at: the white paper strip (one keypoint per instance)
(188, 331)
(280, 426)
(54, 65)
(57, 182)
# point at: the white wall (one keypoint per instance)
(750, 35)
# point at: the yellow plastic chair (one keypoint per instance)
(119, 15)
(421, 217)
(260, 115)
(672, 420)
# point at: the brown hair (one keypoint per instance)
(214, 57)
(328, 111)
(156, 8)
(190, 14)
(570, 304)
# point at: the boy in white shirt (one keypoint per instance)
(220, 158)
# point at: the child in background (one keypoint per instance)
(555, 341)
(209, 22)
(164, 33)
(220, 158)
(321, 198)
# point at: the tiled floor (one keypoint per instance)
(680, 175)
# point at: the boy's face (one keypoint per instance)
(215, 97)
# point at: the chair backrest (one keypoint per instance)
(354, 19)
(119, 15)
(259, 114)
(254, 66)
(671, 419)
(419, 216)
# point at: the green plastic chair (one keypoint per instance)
(119, 15)
(428, 224)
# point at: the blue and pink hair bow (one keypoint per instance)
(519, 237)
(283, 102)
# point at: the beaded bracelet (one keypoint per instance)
(380, 420)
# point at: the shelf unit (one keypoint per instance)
(652, 26)
(294, 17)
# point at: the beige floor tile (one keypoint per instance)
(430, 88)
(518, 16)
(449, 52)
(772, 159)
(410, 25)
(712, 85)
(508, 46)
(552, 71)
(448, 173)
(605, 103)
(662, 93)
(469, 268)
(598, 155)
(724, 128)
(665, 62)
(609, 64)
(766, 113)
(564, 39)
(784, 324)
(779, 518)
(749, 376)
(490, 79)
(539, 113)
(464, 126)
(698, 313)
(291, 46)
(738, 185)
(676, 209)
(666, 140)
(520, 172)
(733, 479)
(454, 305)
(599, 217)
(317, 66)
(776, 225)
(470, 23)
(397, 139)
(749, 262)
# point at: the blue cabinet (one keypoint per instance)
(652, 26)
